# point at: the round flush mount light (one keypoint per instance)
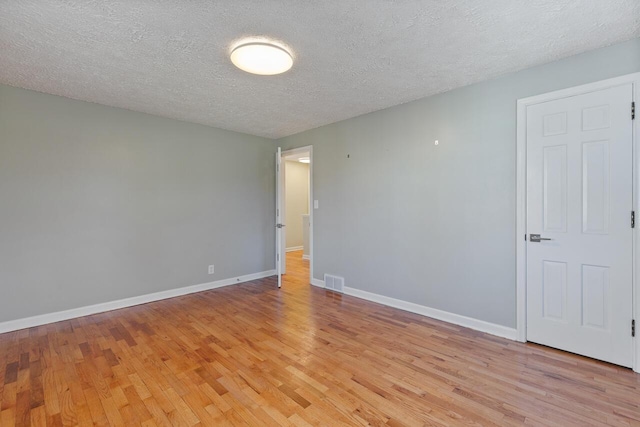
(262, 58)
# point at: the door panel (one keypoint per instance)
(579, 196)
(595, 186)
(595, 291)
(554, 287)
(555, 188)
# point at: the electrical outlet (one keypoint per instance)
(211, 269)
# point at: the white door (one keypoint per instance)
(283, 214)
(280, 237)
(579, 202)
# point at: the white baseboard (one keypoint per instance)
(456, 319)
(43, 319)
(306, 257)
(317, 282)
(294, 248)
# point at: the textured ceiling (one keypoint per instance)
(170, 58)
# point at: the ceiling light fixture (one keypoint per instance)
(304, 160)
(262, 58)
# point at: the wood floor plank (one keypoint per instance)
(251, 354)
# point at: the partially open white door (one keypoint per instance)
(279, 214)
(579, 207)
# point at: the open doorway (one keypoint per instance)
(295, 208)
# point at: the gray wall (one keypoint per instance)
(99, 204)
(435, 225)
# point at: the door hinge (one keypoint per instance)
(633, 219)
(633, 328)
(633, 111)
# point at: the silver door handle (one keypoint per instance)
(280, 225)
(537, 238)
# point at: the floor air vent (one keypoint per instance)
(334, 283)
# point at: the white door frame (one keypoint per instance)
(521, 199)
(278, 227)
(299, 150)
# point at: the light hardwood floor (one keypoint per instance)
(251, 354)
